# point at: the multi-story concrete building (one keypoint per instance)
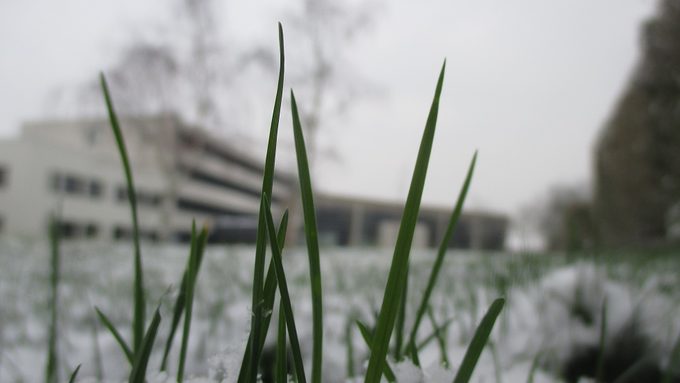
(183, 173)
(180, 173)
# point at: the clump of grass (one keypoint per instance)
(393, 309)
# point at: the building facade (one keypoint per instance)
(182, 173)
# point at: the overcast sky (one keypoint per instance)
(529, 84)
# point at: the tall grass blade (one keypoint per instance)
(350, 349)
(116, 335)
(478, 342)
(261, 241)
(139, 304)
(368, 338)
(268, 301)
(534, 367)
(281, 351)
(399, 267)
(51, 374)
(180, 301)
(312, 243)
(192, 273)
(283, 289)
(74, 374)
(603, 336)
(138, 373)
(401, 320)
(673, 362)
(441, 252)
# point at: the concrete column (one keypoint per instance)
(356, 225)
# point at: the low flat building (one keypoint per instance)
(344, 221)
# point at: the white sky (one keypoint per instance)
(529, 83)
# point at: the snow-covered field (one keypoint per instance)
(553, 308)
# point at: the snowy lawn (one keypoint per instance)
(553, 309)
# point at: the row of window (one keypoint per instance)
(90, 230)
(87, 187)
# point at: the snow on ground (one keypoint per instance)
(548, 298)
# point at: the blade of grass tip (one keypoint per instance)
(139, 306)
(673, 361)
(192, 272)
(72, 379)
(368, 338)
(116, 335)
(603, 335)
(269, 295)
(441, 252)
(138, 373)
(261, 241)
(311, 237)
(281, 351)
(441, 340)
(51, 375)
(400, 259)
(479, 339)
(283, 290)
(180, 301)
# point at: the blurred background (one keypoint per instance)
(572, 105)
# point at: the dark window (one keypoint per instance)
(198, 175)
(91, 230)
(95, 189)
(68, 229)
(120, 232)
(201, 207)
(143, 197)
(3, 176)
(72, 184)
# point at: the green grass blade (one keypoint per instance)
(178, 308)
(261, 237)
(478, 342)
(368, 338)
(192, 274)
(74, 375)
(673, 362)
(281, 351)
(441, 252)
(401, 320)
(283, 289)
(441, 339)
(116, 335)
(270, 279)
(350, 349)
(138, 373)
(309, 215)
(603, 336)
(534, 367)
(139, 305)
(268, 301)
(51, 375)
(399, 267)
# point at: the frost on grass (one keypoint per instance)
(553, 307)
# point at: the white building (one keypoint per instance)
(180, 173)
